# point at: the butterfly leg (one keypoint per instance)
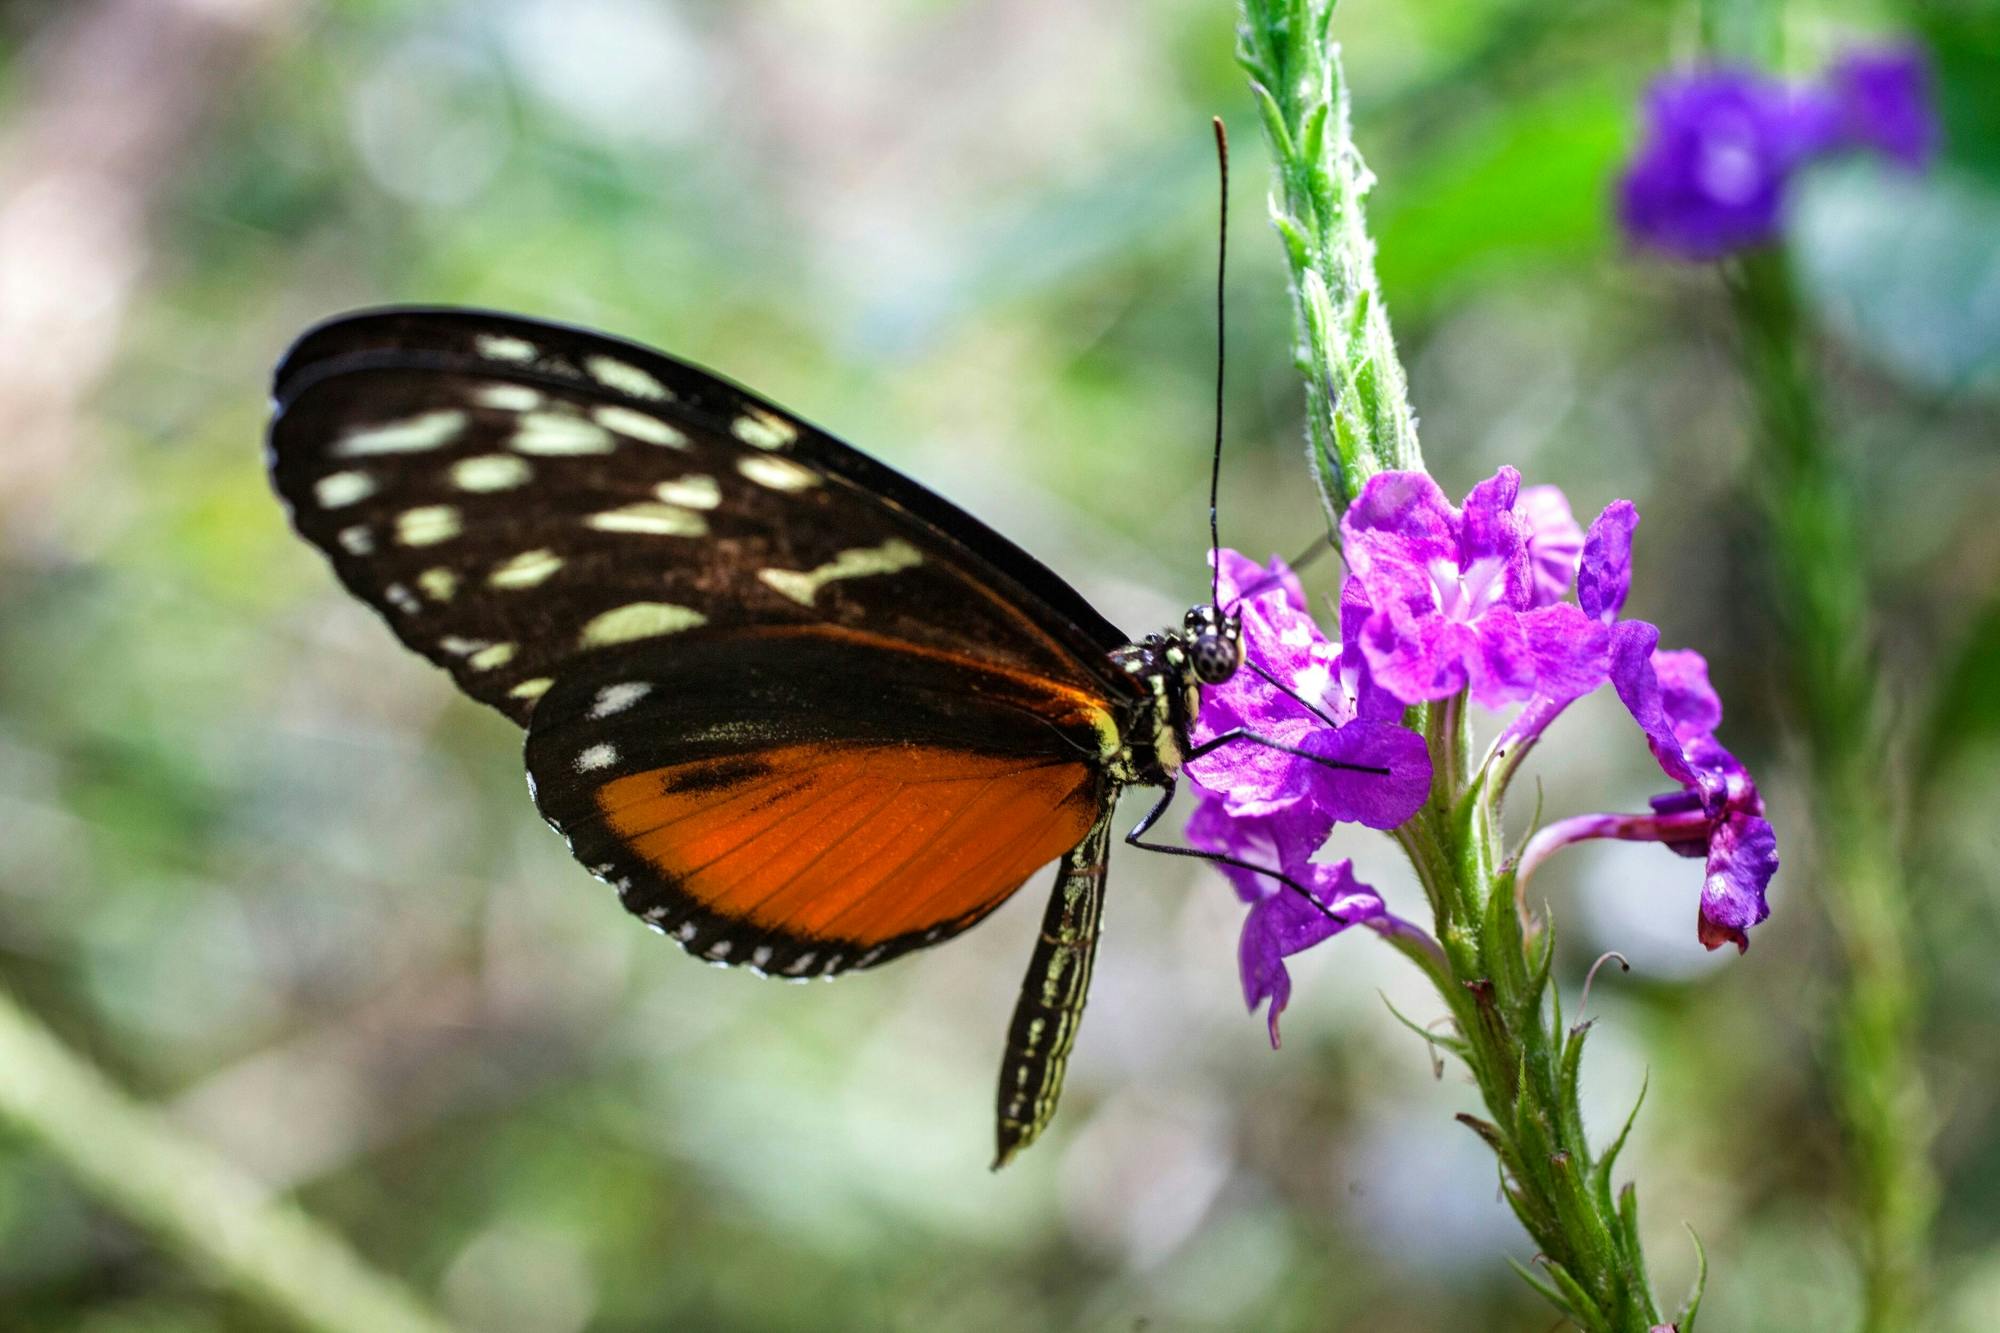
(1052, 994)
(1152, 817)
(1235, 734)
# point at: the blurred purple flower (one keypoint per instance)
(1721, 146)
(1884, 98)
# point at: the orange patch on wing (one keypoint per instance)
(856, 843)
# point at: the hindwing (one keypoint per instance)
(804, 800)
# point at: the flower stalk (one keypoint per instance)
(1358, 419)
(1494, 978)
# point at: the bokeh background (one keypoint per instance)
(271, 873)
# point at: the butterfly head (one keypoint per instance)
(1214, 643)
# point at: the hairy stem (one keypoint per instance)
(198, 1203)
(1820, 564)
(1493, 979)
(1358, 419)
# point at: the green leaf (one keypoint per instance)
(1684, 1321)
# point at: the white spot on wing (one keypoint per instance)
(525, 570)
(721, 949)
(803, 585)
(336, 489)
(531, 689)
(694, 491)
(357, 541)
(594, 757)
(505, 347)
(490, 472)
(624, 377)
(499, 655)
(639, 425)
(798, 965)
(659, 520)
(427, 525)
(639, 620)
(508, 397)
(411, 435)
(553, 435)
(402, 599)
(760, 955)
(613, 699)
(762, 430)
(778, 474)
(439, 583)
(688, 930)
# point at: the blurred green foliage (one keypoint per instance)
(264, 867)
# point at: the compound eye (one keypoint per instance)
(1215, 657)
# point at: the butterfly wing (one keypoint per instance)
(805, 802)
(513, 496)
(802, 713)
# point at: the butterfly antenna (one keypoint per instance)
(1215, 459)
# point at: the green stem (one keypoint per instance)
(1493, 980)
(127, 1156)
(1358, 419)
(1821, 574)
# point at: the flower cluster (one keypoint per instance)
(1722, 146)
(1445, 602)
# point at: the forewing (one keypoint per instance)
(516, 497)
(805, 801)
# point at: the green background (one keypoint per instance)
(268, 870)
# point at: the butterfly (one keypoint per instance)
(803, 714)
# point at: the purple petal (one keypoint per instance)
(1255, 779)
(1885, 103)
(1503, 666)
(1284, 924)
(1379, 800)
(1572, 652)
(1554, 542)
(1490, 530)
(1415, 657)
(1742, 858)
(1638, 686)
(1239, 576)
(1690, 702)
(1364, 698)
(1605, 576)
(1271, 842)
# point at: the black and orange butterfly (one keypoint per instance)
(803, 714)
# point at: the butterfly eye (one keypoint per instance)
(1216, 655)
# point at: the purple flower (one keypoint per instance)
(1885, 104)
(1321, 717)
(1452, 594)
(1721, 146)
(1554, 541)
(1281, 921)
(1717, 814)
